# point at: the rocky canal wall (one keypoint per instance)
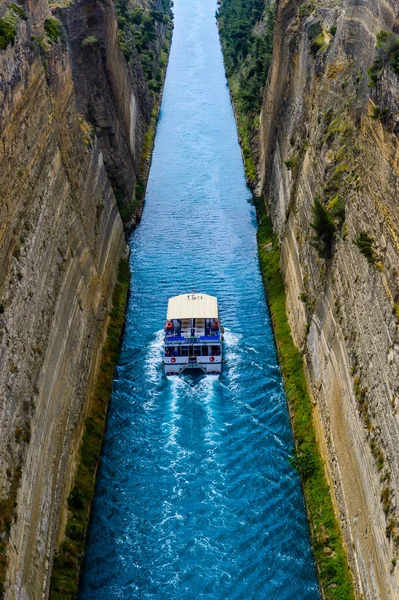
(73, 116)
(328, 132)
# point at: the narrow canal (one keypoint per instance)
(195, 496)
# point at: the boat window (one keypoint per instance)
(184, 351)
(204, 350)
(172, 351)
(197, 351)
(215, 350)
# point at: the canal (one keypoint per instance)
(195, 495)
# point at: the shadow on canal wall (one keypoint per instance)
(77, 122)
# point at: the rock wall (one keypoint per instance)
(71, 117)
(110, 94)
(321, 136)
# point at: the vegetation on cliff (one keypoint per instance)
(139, 30)
(385, 106)
(327, 221)
(9, 24)
(331, 560)
(53, 29)
(68, 560)
(387, 55)
(140, 35)
(246, 32)
(7, 514)
(365, 242)
(144, 34)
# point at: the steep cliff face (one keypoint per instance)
(72, 119)
(110, 95)
(112, 91)
(329, 154)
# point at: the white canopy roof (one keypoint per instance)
(193, 306)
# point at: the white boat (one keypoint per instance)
(193, 336)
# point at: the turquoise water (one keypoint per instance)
(195, 495)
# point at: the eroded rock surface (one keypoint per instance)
(72, 121)
(325, 133)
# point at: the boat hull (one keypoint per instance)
(178, 365)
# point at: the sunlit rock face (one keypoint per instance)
(326, 133)
(72, 121)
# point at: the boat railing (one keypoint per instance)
(192, 339)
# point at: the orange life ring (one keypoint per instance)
(215, 324)
(169, 325)
(173, 359)
(212, 359)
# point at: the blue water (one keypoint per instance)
(195, 495)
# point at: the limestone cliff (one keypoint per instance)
(73, 115)
(329, 149)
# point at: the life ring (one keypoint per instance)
(173, 359)
(215, 324)
(212, 359)
(169, 326)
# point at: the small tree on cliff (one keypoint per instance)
(324, 228)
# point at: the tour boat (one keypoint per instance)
(193, 336)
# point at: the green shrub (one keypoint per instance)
(53, 29)
(292, 163)
(76, 498)
(379, 114)
(306, 9)
(305, 461)
(365, 242)
(316, 38)
(374, 72)
(17, 10)
(75, 530)
(90, 40)
(337, 209)
(324, 228)
(8, 507)
(9, 24)
(375, 112)
(387, 54)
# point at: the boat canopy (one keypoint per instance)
(193, 306)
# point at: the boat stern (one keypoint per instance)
(193, 336)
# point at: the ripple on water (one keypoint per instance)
(196, 497)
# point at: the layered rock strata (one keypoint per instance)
(326, 134)
(72, 121)
(110, 94)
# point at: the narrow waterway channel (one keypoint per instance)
(195, 496)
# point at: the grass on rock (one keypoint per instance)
(329, 550)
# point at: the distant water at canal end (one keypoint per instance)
(195, 495)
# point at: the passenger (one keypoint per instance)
(207, 327)
(175, 352)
